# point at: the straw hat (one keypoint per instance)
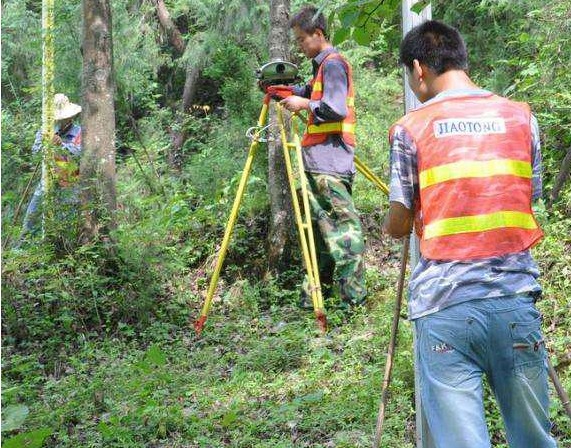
(64, 108)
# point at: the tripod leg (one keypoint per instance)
(199, 324)
(365, 170)
(320, 310)
(306, 240)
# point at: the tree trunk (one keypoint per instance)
(281, 230)
(561, 178)
(172, 32)
(97, 169)
(179, 134)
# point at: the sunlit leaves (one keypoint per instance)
(418, 7)
(361, 20)
(32, 439)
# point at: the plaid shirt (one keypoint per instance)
(71, 140)
(435, 285)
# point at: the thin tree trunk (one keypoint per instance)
(172, 32)
(280, 235)
(561, 178)
(97, 169)
(179, 134)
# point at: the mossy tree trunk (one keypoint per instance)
(97, 170)
(281, 235)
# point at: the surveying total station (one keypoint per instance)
(276, 78)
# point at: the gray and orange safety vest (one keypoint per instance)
(316, 133)
(474, 167)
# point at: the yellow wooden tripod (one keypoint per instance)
(303, 221)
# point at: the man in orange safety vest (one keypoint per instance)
(465, 167)
(328, 146)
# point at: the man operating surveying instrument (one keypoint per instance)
(465, 167)
(328, 159)
(325, 163)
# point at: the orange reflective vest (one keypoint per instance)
(475, 170)
(66, 170)
(316, 133)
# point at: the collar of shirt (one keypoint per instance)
(457, 92)
(317, 60)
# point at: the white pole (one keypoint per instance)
(409, 20)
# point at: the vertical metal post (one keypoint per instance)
(47, 99)
(409, 20)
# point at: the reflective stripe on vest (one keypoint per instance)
(318, 87)
(479, 223)
(335, 127)
(473, 168)
(474, 163)
(317, 133)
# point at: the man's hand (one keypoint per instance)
(56, 140)
(399, 220)
(295, 103)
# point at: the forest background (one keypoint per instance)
(97, 338)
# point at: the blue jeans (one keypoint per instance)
(501, 338)
(31, 217)
(67, 199)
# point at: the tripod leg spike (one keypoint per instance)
(321, 321)
(199, 324)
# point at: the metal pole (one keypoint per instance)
(409, 20)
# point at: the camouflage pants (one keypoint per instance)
(338, 236)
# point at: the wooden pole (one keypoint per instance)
(392, 346)
(561, 393)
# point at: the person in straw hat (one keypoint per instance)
(67, 139)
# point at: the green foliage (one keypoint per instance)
(32, 439)
(232, 68)
(19, 26)
(362, 21)
(97, 346)
(85, 293)
(527, 45)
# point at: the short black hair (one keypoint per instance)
(438, 46)
(309, 19)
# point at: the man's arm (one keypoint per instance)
(404, 185)
(333, 104)
(302, 90)
(37, 146)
